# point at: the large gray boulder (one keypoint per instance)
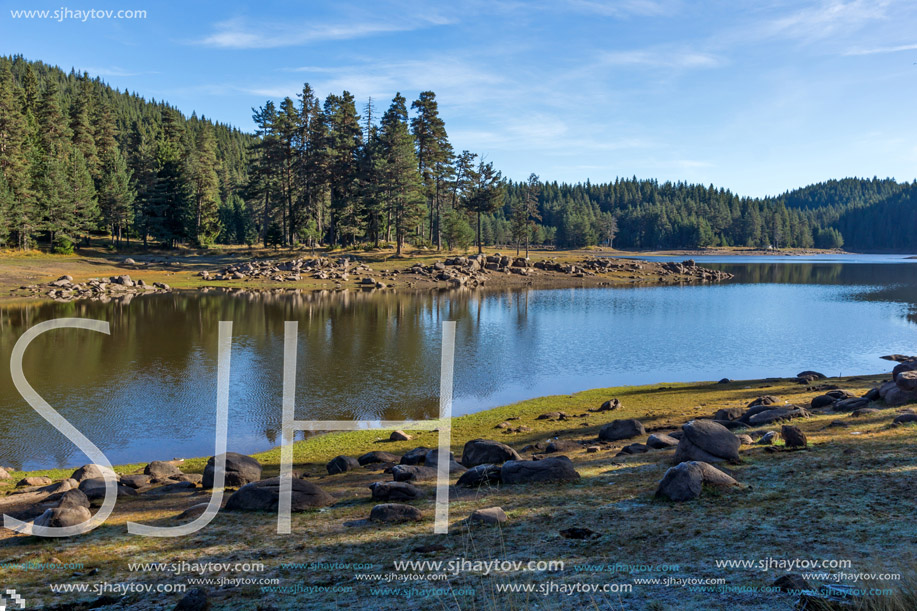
(93, 471)
(415, 456)
(485, 451)
(617, 430)
(729, 413)
(432, 460)
(778, 414)
(341, 464)
(59, 517)
(661, 441)
(394, 513)
(395, 491)
(378, 457)
(264, 495)
(480, 475)
(413, 473)
(552, 469)
(159, 470)
(240, 470)
(707, 441)
(685, 481)
(95, 489)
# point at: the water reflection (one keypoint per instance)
(148, 391)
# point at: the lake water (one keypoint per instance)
(148, 391)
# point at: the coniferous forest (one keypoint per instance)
(80, 160)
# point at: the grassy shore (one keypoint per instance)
(850, 496)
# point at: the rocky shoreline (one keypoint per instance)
(705, 456)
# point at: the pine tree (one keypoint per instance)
(400, 184)
(434, 156)
(205, 189)
(344, 142)
(52, 174)
(485, 195)
(19, 214)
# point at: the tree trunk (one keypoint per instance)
(480, 248)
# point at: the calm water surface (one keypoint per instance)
(148, 390)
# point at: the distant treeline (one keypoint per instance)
(80, 159)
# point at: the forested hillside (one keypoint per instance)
(79, 159)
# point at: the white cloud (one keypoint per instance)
(621, 8)
(245, 34)
(827, 18)
(660, 58)
(876, 50)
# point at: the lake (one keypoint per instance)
(148, 391)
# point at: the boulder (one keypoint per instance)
(707, 441)
(745, 439)
(661, 441)
(553, 416)
(764, 400)
(907, 380)
(767, 439)
(551, 469)
(395, 491)
(432, 460)
(685, 481)
(793, 437)
(729, 413)
(617, 430)
(634, 448)
(395, 512)
(59, 517)
(905, 419)
(413, 473)
(902, 367)
(863, 411)
(74, 498)
(341, 464)
(490, 515)
(4, 474)
(377, 457)
(195, 600)
(485, 451)
(733, 425)
(240, 470)
(810, 376)
(872, 394)
(895, 396)
(264, 495)
(562, 445)
(480, 475)
(415, 456)
(399, 436)
(848, 405)
(37, 480)
(159, 469)
(95, 489)
(778, 414)
(135, 481)
(608, 406)
(93, 472)
(822, 401)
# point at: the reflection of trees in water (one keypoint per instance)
(889, 283)
(362, 354)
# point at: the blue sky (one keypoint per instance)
(758, 97)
